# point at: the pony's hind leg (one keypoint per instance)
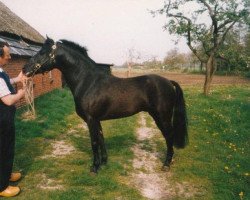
(170, 150)
(166, 128)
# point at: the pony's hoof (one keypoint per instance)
(93, 174)
(165, 168)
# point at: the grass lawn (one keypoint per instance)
(217, 157)
(216, 160)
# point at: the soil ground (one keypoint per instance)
(187, 79)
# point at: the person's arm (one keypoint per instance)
(11, 99)
(8, 98)
(13, 80)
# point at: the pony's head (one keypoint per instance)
(43, 61)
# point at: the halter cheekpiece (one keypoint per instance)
(51, 58)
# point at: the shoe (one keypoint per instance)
(15, 176)
(10, 191)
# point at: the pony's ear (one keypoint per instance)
(47, 37)
(49, 40)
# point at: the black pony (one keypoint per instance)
(101, 96)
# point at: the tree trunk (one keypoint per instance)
(210, 69)
(201, 66)
(129, 71)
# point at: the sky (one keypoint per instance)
(107, 28)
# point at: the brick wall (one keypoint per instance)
(42, 83)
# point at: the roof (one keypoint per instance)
(104, 67)
(20, 48)
(11, 24)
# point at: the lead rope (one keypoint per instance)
(29, 97)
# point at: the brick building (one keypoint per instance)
(24, 42)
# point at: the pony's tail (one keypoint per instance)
(180, 121)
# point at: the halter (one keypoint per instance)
(51, 58)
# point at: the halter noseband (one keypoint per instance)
(51, 58)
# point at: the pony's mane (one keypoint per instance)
(99, 67)
(75, 46)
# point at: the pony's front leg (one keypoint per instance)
(94, 131)
(104, 155)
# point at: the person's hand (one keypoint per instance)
(21, 92)
(24, 77)
(24, 82)
(21, 77)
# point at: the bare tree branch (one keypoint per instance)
(211, 13)
(225, 34)
(226, 22)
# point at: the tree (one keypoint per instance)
(132, 57)
(223, 15)
(247, 48)
(174, 59)
(193, 62)
(232, 53)
(152, 62)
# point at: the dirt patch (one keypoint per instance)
(147, 176)
(49, 184)
(60, 149)
(83, 125)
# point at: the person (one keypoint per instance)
(8, 98)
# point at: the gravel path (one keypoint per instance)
(147, 176)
